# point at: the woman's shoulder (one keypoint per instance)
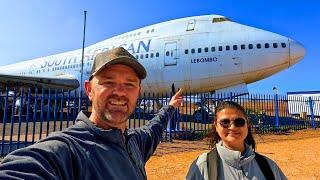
(271, 162)
(202, 158)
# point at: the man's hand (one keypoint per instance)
(177, 99)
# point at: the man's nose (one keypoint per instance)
(119, 90)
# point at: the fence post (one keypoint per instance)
(4, 120)
(276, 112)
(312, 113)
(170, 121)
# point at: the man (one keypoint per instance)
(98, 146)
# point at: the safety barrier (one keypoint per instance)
(29, 114)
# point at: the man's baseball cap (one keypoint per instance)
(117, 56)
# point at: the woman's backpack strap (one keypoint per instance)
(213, 160)
(264, 166)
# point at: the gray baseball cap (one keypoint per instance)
(117, 56)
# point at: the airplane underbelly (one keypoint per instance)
(263, 65)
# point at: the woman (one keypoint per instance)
(233, 155)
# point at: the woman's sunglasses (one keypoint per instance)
(238, 122)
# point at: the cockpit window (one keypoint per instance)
(220, 19)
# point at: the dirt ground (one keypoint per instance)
(296, 153)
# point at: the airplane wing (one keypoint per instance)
(64, 82)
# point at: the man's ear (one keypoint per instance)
(88, 89)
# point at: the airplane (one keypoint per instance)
(208, 53)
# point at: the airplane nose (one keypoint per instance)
(297, 52)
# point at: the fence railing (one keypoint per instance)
(29, 114)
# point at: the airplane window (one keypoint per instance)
(139, 33)
(220, 48)
(171, 53)
(147, 55)
(152, 30)
(213, 49)
(167, 53)
(137, 57)
(235, 47)
(275, 45)
(193, 51)
(157, 54)
(266, 45)
(220, 19)
(243, 46)
(148, 31)
(259, 46)
(141, 56)
(227, 48)
(283, 45)
(199, 50)
(206, 49)
(186, 51)
(52, 69)
(250, 46)
(151, 55)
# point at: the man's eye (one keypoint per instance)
(130, 85)
(108, 83)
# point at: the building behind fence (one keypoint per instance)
(28, 115)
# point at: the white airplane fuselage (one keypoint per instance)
(198, 54)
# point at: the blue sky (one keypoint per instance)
(35, 28)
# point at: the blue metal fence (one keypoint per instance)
(29, 114)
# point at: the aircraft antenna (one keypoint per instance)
(82, 57)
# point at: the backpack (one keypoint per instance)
(214, 160)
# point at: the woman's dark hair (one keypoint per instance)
(214, 136)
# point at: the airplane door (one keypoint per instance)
(170, 54)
